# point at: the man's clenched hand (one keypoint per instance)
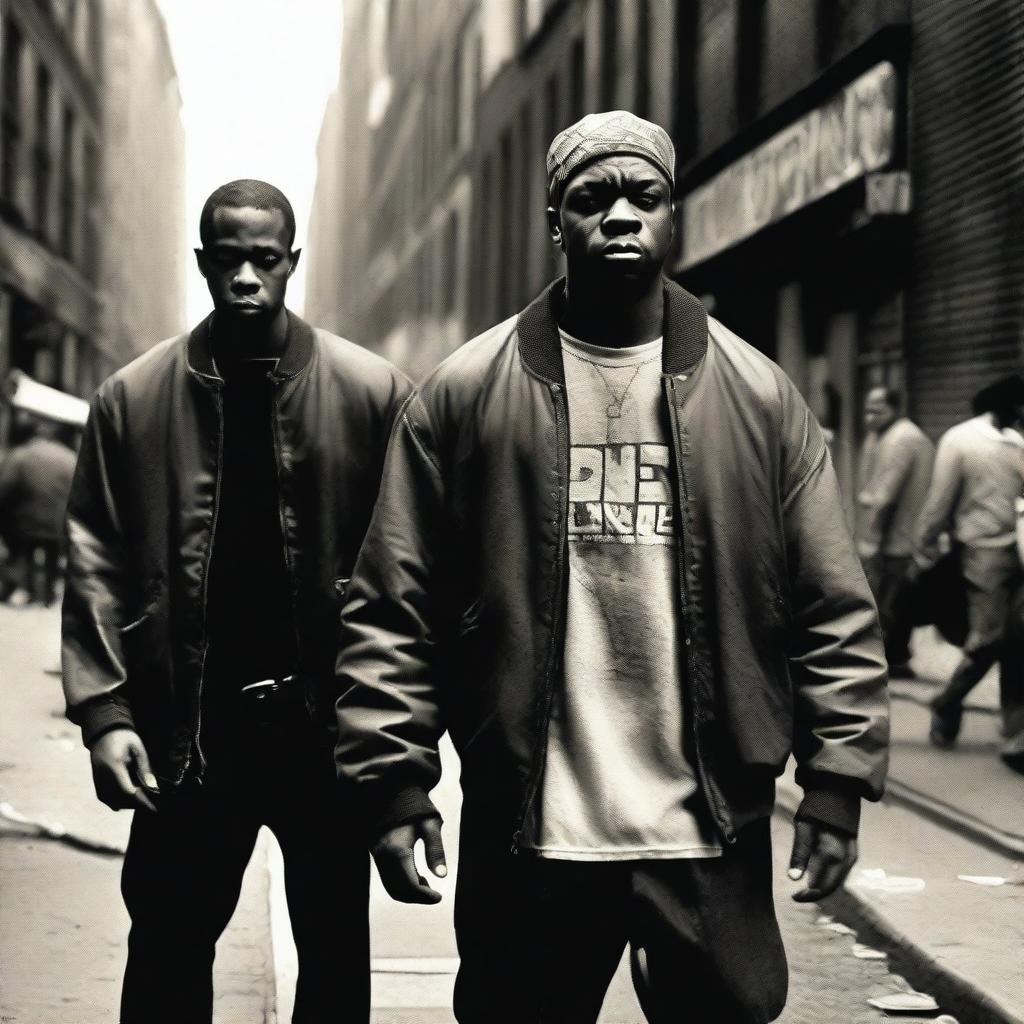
(823, 855)
(121, 772)
(393, 853)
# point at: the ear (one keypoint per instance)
(294, 258)
(555, 228)
(201, 261)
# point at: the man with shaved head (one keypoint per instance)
(225, 482)
(609, 557)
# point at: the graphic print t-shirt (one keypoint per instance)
(617, 783)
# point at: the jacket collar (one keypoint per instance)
(685, 332)
(297, 350)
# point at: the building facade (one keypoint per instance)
(849, 185)
(91, 189)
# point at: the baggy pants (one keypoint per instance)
(183, 874)
(992, 575)
(540, 940)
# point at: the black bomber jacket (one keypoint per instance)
(144, 505)
(455, 616)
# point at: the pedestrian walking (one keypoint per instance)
(225, 483)
(979, 469)
(892, 482)
(1011, 664)
(35, 479)
(609, 557)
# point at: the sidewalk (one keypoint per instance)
(959, 939)
(62, 924)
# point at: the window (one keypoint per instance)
(455, 118)
(552, 112)
(43, 158)
(483, 293)
(529, 204)
(577, 86)
(10, 116)
(508, 230)
(451, 264)
(67, 185)
(685, 126)
(749, 58)
(828, 15)
(609, 46)
(86, 208)
(642, 102)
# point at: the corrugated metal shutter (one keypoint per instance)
(967, 156)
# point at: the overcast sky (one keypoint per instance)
(254, 78)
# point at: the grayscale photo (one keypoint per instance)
(511, 511)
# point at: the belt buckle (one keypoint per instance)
(267, 699)
(262, 689)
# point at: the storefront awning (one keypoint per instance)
(850, 136)
(30, 396)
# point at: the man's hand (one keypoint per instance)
(823, 855)
(393, 853)
(121, 772)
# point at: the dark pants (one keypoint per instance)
(1011, 668)
(184, 865)
(992, 575)
(20, 570)
(887, 578)
(540, 940)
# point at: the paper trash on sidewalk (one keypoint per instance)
(983, 879)
(878, 881)
(905, 1002)
(839, 928)
(862, 952)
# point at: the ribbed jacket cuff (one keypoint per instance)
(840, 811)
(385, 812)
(102, 715)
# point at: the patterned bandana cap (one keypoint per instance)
(609, 134)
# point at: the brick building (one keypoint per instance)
(849, 187)
(92, 238)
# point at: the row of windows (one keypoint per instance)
(715, 77)
(60, 165)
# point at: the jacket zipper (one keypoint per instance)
(275, 413)
(218, 401)
(540, 750)
(706, 785)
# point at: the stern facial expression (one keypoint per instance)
(247, 262)
(614, 222)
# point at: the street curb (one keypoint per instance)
(1007, 844)
(956, 994)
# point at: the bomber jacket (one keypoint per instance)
(455, 616)
(142, 514)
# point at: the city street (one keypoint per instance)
(63, 925)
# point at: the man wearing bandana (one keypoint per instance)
(609, 558)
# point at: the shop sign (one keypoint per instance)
(844, 139)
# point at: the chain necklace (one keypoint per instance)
(614, 408)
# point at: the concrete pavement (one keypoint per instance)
(62, 926)
(62, 923)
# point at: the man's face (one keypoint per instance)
(247, 262)
(878, 413)
(614, 222)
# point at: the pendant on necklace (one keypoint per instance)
(614, 411)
